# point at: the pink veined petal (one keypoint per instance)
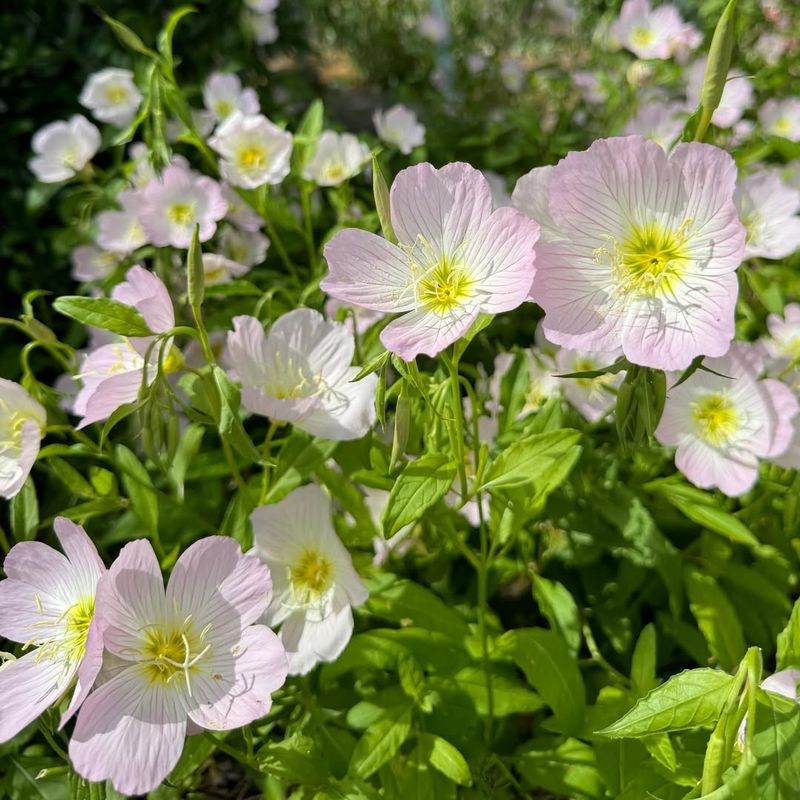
(129, 731)
(88, 669)
(40, 567)
(420, 203)
(129, 596)
(216, 583)
(110, 394)
(237, 689)
(668, 334)
(472, 203)
(500, 258)
(785, 407)
(427, 332)
(247, 350)
(147, 294)
(531, 196)
(366, 270)
(29, 450)
(79, 549)
(22, 618)
(28, 686)
(706, 467)
(346, 412)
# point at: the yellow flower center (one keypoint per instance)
(445, 287)
(172, 651)
(181, 213)
(783, 125)
(69, 644)
(592, 385)
(650, 261)
(310, 575)
(334, 171)
(222, 108)
(173, 361)
(252, 158)
(642, 36)
(116, 95)
(716, 419)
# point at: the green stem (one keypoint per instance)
(237, 476)
(273, 426)
(458, 419)
(277, 243)
(233, 752)
(483, 610)
(305, 201)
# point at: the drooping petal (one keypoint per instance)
(147, 294)
(129, 731)
(110, 394)
(308, 642)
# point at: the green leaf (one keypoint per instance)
(568, 769)
(446, 758)
(381, 192)
(381, 742)
(691, 699)
(716, 618)
(104, 313)
(25, 512)
(551, 669)
(307, 135)
(643, 663)
(531, 460)
(138, 487)
(776, 746)
(195, 274)
(509, 694)
(229, 423)
(166, 35)
(560, 609)
(71, 478)
(789, 642)
(299, 457)
(127, 36)
(421, 484)
(188, 448)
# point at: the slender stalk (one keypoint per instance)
(237, 476)
(265, 448)
(231, 751)
(483, 609)
(458, 420)
(305, 201)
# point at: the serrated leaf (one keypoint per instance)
(104, 313)
(691, 699)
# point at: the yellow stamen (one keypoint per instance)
(716, 419)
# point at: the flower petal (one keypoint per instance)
(427, 332)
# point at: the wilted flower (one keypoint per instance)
(315, 583)
(245, 247)
(400, 127)
(63, 149)
(172, 206)
(338, 156)
(737, 96)
(218, 269)
(239, 213)
(90, 263)
(456, 258)
(662, 123)
(121, 231)
(645, 254)
(781, 118)
(111, 96)
(722, 426)
(768, 209)
(187, 656)
(301, 373)
(47, 603)
(223, 94)
(652, 32)
(112, 374)
(22, 424)
(254, 150)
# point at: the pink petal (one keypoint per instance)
(79, 549)
(88, 669)
(110, 394)
(309, 642)
(147, 294)
(785, 407)
(426, 332)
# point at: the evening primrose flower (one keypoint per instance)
(90, 263)
(646, 252)
(239, 213)
(652, 32)
(112, 374)
(186, 658)
(768, 209)
(593, 398)
(254, 150)
(338, 156)
(300, 373)
(63, 149)
(662, 123)
(223, 94)
(245, 247)
(737, 95)
(723, 424)
(121, 231)
(111, 96)
(218, 269)
(22, 424)
(172, 206)
(783, 344)
(315, 583)
(400, 127)
(263, 27)
(781, 118)
(47, 604)
(456, 259)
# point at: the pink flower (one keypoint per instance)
(112, 374)
(646, 253)
(780, 118)
(183, 659)
(239, 213)
(300, 372)
(121, 231)
(652, 32)
(768, 209)
(783, 344)
(594, 398)
(456, 258)
(723, 426)
(218, 269)
(737, 96)
(659, 122)
(22, 424)
(47, 603)
(400, 127)
(90, 263)
(173, 205)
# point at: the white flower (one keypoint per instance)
(262, 6)
(660, 122)
(737, 96)
(245, 247)
(783, 344)
(594, 398)
(781, 118)
(239, 213)
(223, 94)
(121, 231)
(218, 269)
(768, 209)
(254, 150)
(337, 158)
(314, 583)
(400, 127)
(63, 149)
(111, 96)
(22, 424)
(90, 263)
(301, 373)
(263, 27)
